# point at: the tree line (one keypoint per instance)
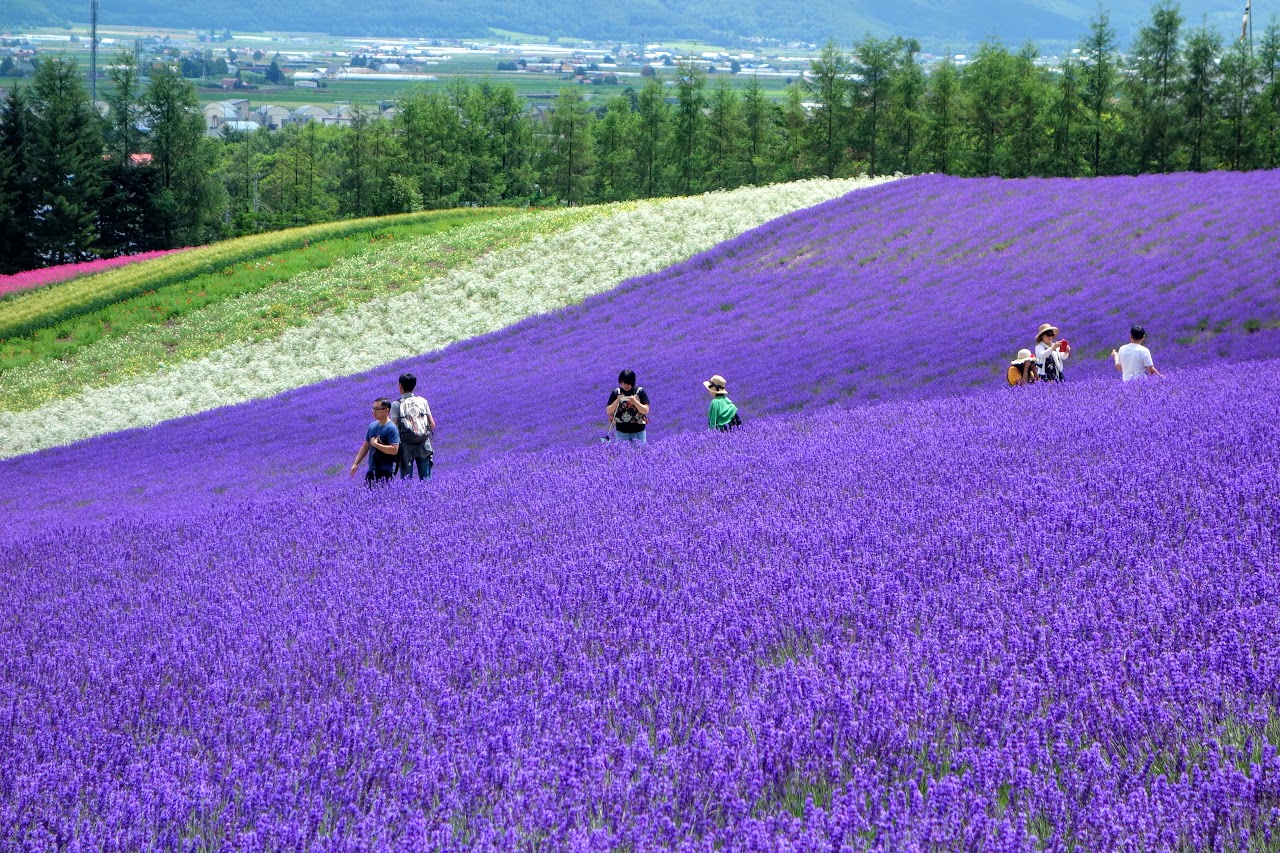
(72, 187)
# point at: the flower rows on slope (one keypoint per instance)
(549, 272)
(265, 310)
(31, 279)
(817, 633)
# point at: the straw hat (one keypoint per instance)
(1047, 327)
(1024, 355)
(715, 384)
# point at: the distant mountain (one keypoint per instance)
(955, 25)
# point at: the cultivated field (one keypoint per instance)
(904, 607)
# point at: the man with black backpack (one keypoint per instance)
(628, 409)
(412, 416)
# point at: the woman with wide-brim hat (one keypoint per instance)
(1022, 370)
(723, 414)
(1050, 353)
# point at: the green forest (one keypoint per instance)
(73, 186)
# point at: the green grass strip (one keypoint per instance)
(264, 313)
(170, 303)
(29, 312)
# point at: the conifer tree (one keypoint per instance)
(16, 208)
(652, 119)
(872, 72)
(1237, 97)
(1154, 90)
(63, 157)
(759, 123)
(726, 166)
(942, 118)
(187, 196)
(569, 154)
(1098, 83)
(1198, 96)
(907, 88)
(828, 85)
(688, 157)
(615, 154)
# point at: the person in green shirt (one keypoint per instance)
(723, 414)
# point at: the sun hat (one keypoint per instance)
(1024, 355)
(1046, 327)
(715, 382)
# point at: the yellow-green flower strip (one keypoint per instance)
(44, 307)
(267, 312)
(498, 289)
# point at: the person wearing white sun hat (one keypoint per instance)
(1022, 370)
(1050, 353)
(723, 414)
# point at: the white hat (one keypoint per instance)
(1047, 327)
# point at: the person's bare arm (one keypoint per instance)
(360, 455)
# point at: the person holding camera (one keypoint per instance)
(1050, 353)
(628, 409)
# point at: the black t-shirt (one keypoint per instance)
(625, 417)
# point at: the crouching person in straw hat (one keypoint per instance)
(1022, 370)
(723, 414)
(1050, 353)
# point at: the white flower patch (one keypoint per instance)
(498, 289)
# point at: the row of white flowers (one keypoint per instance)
(266, 313)
(496, 290)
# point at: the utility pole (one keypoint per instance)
(93, 52)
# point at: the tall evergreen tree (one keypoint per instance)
(652, 119)
(872, 69)
(124, 108)
(688, 157)
(988, 86)
(1067, 113)
(1199, 92)
(569, 154)
(942, 118)
(726, 166)
(1099, 73)
(1236, 144)
(430, 130)
(795, 159)
(906, 118)
(759, 122)
(828, 85)
(1267, 106)
(1154, 90)
(63, 156)
(615, 155)
(188, 198)
(1029, 117)
(16, 208)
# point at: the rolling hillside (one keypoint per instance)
(904, 607)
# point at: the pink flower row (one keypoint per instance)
(50, 275)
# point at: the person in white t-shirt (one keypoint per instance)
(1133, 360)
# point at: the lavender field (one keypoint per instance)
(907, 628)
(904, 609)
(916, 289)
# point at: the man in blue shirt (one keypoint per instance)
(383, 439)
